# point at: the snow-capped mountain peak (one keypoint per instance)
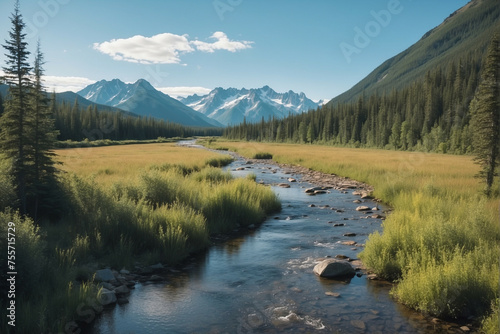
(231, 106)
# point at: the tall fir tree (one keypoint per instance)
(485, 117)
(43, 136)
(14, 141)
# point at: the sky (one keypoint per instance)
(182, 47)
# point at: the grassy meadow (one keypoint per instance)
(441, 243)
(123, 206)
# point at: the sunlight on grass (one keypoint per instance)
(441, 243)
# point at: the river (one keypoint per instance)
(262, 281)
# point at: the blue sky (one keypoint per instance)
(319, 47)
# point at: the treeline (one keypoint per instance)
(430, 114)
(78, 123)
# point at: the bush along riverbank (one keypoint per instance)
(441, 244)
(166, 214)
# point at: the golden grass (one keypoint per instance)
(374, 166)
(109, 164)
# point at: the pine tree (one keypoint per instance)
(15, 119)
(42, 137)
(485, 117)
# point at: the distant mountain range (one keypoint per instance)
(231, 106)
(143, 99)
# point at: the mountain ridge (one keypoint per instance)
(232, 106)
(143, 99)
(465, 31)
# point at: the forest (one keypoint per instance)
(431, 114)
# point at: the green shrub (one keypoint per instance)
(262, 155)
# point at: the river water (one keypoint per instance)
(262, 281)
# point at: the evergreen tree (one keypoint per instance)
(42, 137)
(14, 139)
(485, 117)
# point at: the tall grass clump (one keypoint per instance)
(219, 161)
(262, 155)
(239, 203)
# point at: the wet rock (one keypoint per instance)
(362, 208)
(465, 329)
(104, 275)
(350, 234)
(157, 267)
(331, 268)
(333, 294)
(106, 297)
(358, 324)
(124, 272)
(377, 216)
(375, 209)
(155, 278)
(291, 179)
(348, 243)
(122, 290)
(338, 224)
(341, 257)
(357, 201)
(365, 195)
(339, 211)
(319, 192)
(240, 168)
(255, 320)
(312, 205)
(284, 185)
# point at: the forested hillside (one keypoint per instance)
(429, 113)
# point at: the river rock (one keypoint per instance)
(338, 224)
(157, 267)
(106, 297)
(122, 290)
(318, 192)
(362, 208)
(465, 329)
(240, 168)
(333, 294)
(365, 195)
(124, 272)
(357, 201)
(284, 185)
(350, 234)
(104, 275)
(291, 179)
(331, 268)
(358, 324)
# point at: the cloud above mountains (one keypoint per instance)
(165, 48)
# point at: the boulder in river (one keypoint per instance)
(362, 208)
(332, 268)
(104, 275)
(284, 185)
(106, 297)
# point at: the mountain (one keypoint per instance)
(143, 99)
(71, 97)
(231, 106)
(465, 33)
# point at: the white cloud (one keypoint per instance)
(222, 43)
(165, 48)
(64, 84)
(177, 92)
(159, 49)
